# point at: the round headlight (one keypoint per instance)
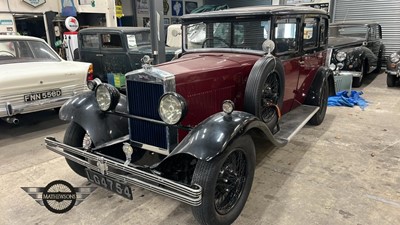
(394, 57)
(341, 56)
(107, 97)
(172, 108)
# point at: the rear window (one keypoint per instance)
(111, 41)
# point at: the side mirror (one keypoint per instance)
(268, 46)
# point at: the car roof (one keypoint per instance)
(256, 10)
(19, 37)
(114, 29)
(355, 23)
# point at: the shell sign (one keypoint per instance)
(35, 3)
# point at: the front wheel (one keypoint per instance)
(76, 136)
(226, 181)
(391, 80)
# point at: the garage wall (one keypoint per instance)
(386, 12)
(238, 3)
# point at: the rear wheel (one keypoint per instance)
(226, 181)
(76, 136)
(323, 105)
(391, 80)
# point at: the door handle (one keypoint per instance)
(99, 54)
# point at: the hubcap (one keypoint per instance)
(230, 182)
(87, 142)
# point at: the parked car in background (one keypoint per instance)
(393, 69)
(34, 78)
(357, 49)
(114, 51)
(185, 128)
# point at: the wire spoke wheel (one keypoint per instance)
(269, 98)
(226, 181)
(230, 182)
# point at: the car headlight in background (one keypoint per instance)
(394, 57)
(341, 56)
(172, 108)
(107, 97)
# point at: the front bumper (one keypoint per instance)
(347, 73)
(11, 109)
(393, 73)
(134, 176)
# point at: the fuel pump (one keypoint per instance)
(71, 37)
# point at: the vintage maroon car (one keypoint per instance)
(264, 67)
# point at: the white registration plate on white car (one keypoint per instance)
(42, 95)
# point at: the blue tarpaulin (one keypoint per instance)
(342, 98)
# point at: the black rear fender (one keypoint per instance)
(323, 74)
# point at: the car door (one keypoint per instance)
(314, 31)
(89, 50)
(286, 38)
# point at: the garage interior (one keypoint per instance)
(345, 171)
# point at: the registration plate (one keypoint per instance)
(110, 184)
(42, 95)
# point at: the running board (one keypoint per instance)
(292, 122)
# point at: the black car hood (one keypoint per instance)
(342, 42)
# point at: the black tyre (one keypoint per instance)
(264, 91)
(226, 181)
(391, 80)
(74, 136)
(357, 81)
(323, 105)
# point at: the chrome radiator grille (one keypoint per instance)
(143, 101)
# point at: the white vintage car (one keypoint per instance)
(34, 78)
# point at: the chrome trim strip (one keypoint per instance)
(348, 73)
(329, 57)
(302, 124)
(169, 188)
(150, 148)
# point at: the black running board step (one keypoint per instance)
(292, 122)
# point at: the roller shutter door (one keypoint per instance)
(238, 3)
(386, 12)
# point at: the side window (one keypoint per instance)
(90, 41)
(323, 33)
(310, 33)
(111, 41)
(372, 33)
(285, 35)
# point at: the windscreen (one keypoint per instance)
(238, 34)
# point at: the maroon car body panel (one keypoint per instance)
(205, 80)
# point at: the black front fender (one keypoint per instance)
(212, 136)
(102, 127)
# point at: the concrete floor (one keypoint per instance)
(346, 171)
